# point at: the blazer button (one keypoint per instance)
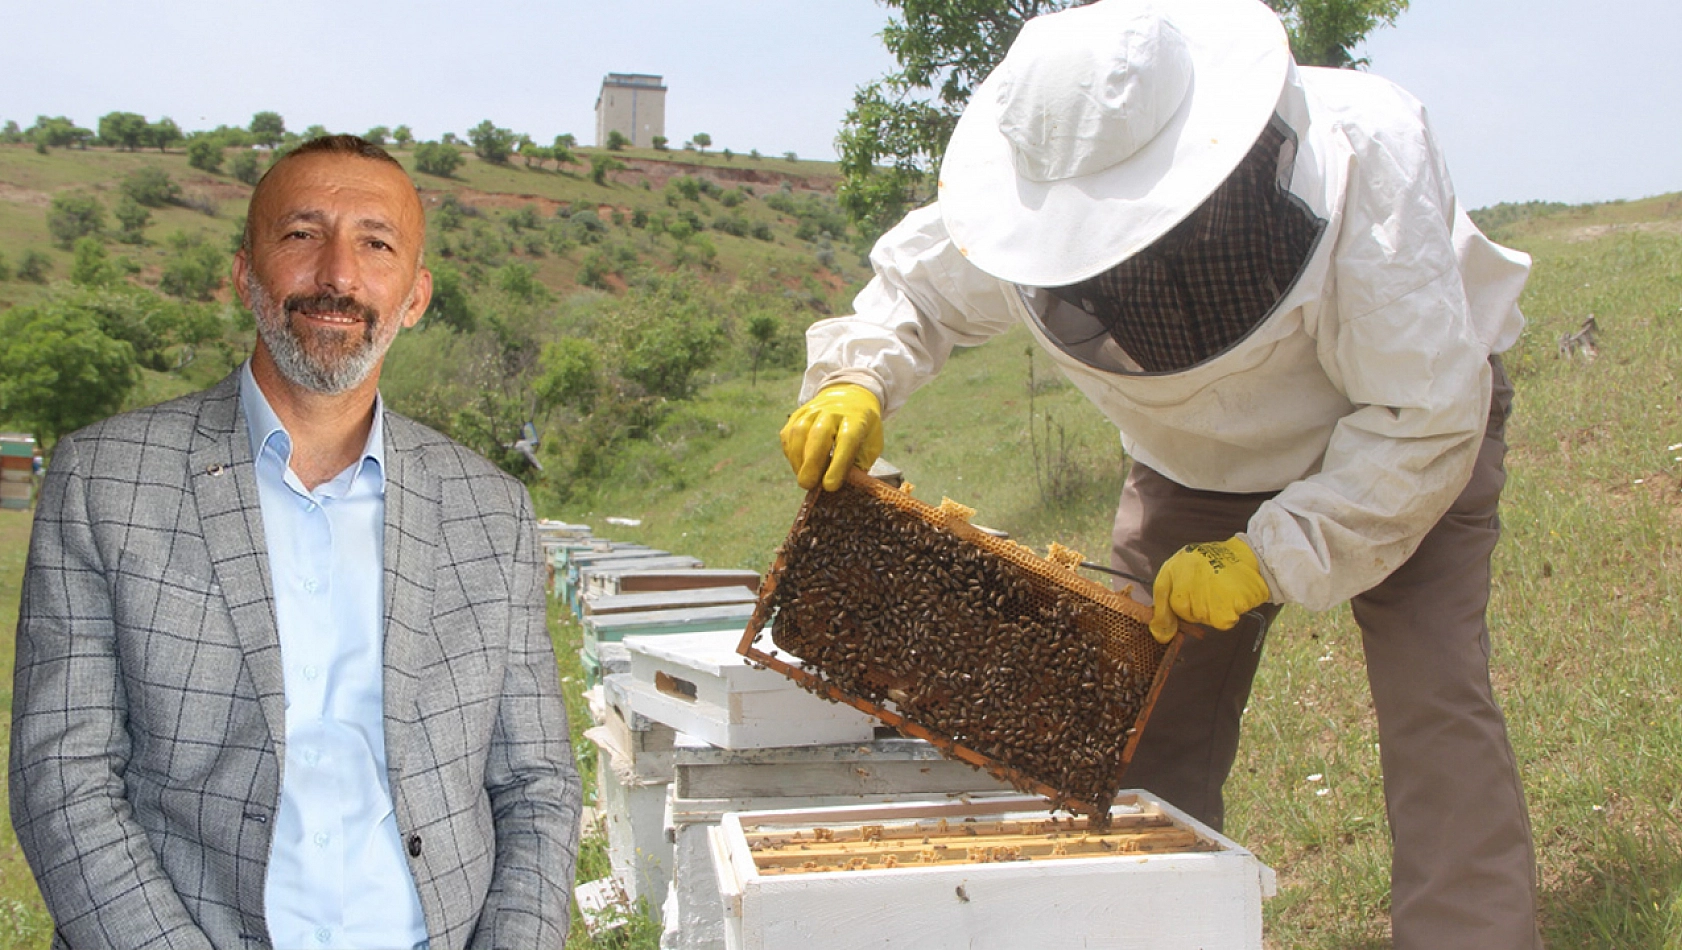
(414, 846)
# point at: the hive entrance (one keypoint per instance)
(1000, 657)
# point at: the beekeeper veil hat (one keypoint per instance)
(1105, 126)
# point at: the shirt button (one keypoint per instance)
(311, 756)
(310, 672)
(310, 584)
(322, 935)
(322, 838)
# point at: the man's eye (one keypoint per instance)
(379, 245)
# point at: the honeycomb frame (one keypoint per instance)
(1108, 628)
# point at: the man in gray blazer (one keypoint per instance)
(283, 676)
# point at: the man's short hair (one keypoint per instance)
(354, 146)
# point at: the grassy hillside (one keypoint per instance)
(215, 206)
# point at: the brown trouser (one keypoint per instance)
(1463, 873)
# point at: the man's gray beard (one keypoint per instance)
(328, 375)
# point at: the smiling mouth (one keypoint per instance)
(332, 309)
(331, 316)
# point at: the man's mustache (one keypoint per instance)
(331, 303)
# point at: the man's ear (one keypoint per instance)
(241, 268)
(422, 296)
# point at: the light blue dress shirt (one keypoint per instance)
(337, 874)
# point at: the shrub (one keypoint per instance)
(193, 270)
(133, 218)
(245, 166)
(437, 158)
(205, 154)
(732, 224)
(91, 266)
(74, 216)
(150, 186)
(34, 267)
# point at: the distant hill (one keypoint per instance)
(787, 204)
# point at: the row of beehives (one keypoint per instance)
(695, 745)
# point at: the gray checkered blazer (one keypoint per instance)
(149, 714)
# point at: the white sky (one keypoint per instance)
(1562, 100)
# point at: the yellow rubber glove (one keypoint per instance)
(838, 428)
(1212, 584)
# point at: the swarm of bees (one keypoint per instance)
(981, 644)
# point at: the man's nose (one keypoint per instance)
(337, 267)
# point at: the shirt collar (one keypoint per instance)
(265, 430)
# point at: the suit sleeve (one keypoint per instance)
(534, 787)
(97, 870)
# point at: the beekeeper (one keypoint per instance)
(1259, 272)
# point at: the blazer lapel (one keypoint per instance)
(412, 536)
(224, 487)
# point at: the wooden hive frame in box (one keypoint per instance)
(1003, 659)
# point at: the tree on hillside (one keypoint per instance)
(893, 138)
(661, 143)
(702, 140)
(436, 158)
(133, 217)
(762, 331)
(193, 270)
(163, 133)
(450, 305)
(124, 130)
(377, 135)
(10, 134)
(244, 166)
(600, 165)
(58, 372)
(491, 143)
(616, 140)
(150, 186)
(268, 128)
(58, 132)
(73, 216)
(91, 266)
(403, 136)
(204, 153)
(34, 266)
(315, 132)
(561, 150)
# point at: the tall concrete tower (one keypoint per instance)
(632, 104)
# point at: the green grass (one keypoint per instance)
(23, 920)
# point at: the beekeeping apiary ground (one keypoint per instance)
(925, 844)
(896, 605)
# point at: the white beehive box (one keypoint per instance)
(698, 684)
(633, 775)
(598, 603)
(709, 782)
(1197, 900)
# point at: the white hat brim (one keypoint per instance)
(1050, 234)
